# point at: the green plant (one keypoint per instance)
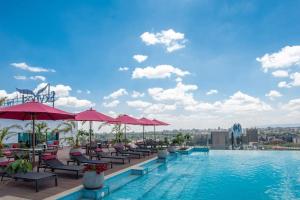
(19, 166)
(178, 140)
(74, 141)
(117, 130)
(1, 153)
(7, 132)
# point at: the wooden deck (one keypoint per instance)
(15, 190)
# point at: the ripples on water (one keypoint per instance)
(247, 175)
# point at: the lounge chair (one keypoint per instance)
(81, 159)
(105, 155)
(35, 177)
(141, 150)
(120, 151)
(55, 164)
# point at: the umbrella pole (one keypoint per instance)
(90, 138)
(154, 134)
(125, 133)
(33, 140)
(143, 133)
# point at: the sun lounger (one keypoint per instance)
(55, 164)
(143, 151)
(127, 153)
(35, 177)
(104, 155)
(81, 159)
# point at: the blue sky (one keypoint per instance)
(219, 44)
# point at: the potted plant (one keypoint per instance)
(162, 152)
(19, 166)
(93, 177)
(172, 147)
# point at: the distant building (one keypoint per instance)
(252, 135)
(296, 140)
(219, 139)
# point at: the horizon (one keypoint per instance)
(193, 64)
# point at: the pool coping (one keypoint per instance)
(80, 187)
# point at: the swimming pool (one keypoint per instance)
(215, 175)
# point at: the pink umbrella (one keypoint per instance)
(146, 122)
(158, 123)
(92, 115)
(34, 111)
(126, 119)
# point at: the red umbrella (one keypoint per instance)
(158, 123)
(126, 119)
(92, 115)
(34, 111)
(146, 122)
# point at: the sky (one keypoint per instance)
(192, 63)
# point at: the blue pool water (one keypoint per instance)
(232, 175)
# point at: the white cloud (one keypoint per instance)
(140, 58)
(158, 72)
(181, 94)
(280, 73)
(38, 78)
(178, 79)
(117, 94)
(26, 67)
(20, 77)
(286, 57)
(170, 39)
(159, 108)
(238, 103)
(211, 92)
(272, 94)
(73, 102)
(284, 84)
(112, 113)
(123, 69)
(4, 94)
(112, 104)
(60, 90)
(295, 79)
(138, 104)
(136, 94)
(292, 105)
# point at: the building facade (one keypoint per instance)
(219, 139)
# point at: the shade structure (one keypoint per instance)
(91, 115)
(126, 119)
(34, 111)
(158, 123)
(146, 122)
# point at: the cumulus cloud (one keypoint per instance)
(284, 84)
(295, 79)
(138, 104)
(238, 103)
(158, 72)
(211, 92)
(123, 69)
(136, 94)
(181, 94)
(70, 101)
(60, 89)
(292, 105)
(140, 58)
(27, 67)
(4, 94)
(116, 94)
(111, 104)
(170, 39)
(285, 58)
(272, 94)
(159, 108)
(280, 73)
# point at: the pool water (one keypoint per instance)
(253, 175)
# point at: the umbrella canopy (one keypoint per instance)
(40, 111)
(147, 122)
(93, 115)
(126, 119)
(34, 111)
(160, 123)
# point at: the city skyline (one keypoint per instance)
(207, 65)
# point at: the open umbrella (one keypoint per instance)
(34, 111)
(126, 119)
(92, 115)
(158, 123)
(146, 122)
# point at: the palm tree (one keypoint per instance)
(2, 100)
(7, 132)
(41, 128)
